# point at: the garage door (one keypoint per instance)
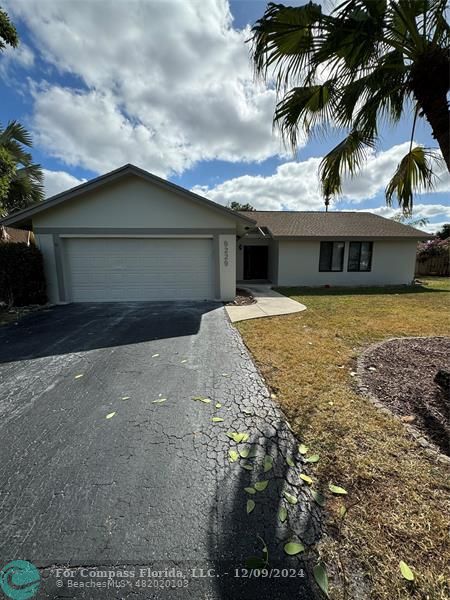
(114, 269)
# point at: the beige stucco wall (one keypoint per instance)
(132, 202)
(393, 263)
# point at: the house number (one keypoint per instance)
(225, 253)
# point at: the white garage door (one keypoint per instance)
(115, 269)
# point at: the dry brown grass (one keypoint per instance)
(399, 497)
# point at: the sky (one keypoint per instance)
(168, 85)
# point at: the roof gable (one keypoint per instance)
(27, 215)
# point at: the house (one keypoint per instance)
(129, 235)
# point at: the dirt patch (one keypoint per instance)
(400, 374)
(243, 297)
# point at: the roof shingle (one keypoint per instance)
(284, 224)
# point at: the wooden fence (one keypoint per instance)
(435, 265)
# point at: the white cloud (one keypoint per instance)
(22, 56)
(295, 185)
(165, 84)
(59, 181)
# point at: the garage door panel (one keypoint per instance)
(105, 269)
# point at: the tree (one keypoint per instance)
(444, 232)
(410, 220)
(8, 33)
(367, 62)
(21, 180)
(238, 206)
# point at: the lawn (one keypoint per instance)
(398, 498)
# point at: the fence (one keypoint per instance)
(435, 265)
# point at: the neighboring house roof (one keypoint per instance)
(15, 236)
(23, 217)
(288, 224)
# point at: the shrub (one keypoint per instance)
(434, 247)
(22, 279)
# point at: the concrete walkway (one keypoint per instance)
(268, 304)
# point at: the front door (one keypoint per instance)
(255, 262)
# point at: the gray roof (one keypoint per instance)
(332, 225)
(24, 216)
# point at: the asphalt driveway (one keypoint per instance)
(151, 486)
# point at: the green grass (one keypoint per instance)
(399, 498)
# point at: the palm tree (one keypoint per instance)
(367, 62)
(21, 180)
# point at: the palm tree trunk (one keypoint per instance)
(430, 83)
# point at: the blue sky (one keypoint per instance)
(168, 85)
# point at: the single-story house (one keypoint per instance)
(129, 235)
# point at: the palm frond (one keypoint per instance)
(15, 131)
(346, 158)
(414, 174)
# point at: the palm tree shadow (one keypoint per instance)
(235, 536)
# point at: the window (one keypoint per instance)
(360, 256)
(331, 256)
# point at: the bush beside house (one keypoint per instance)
(22, 280)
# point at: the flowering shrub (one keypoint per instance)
(434, 247)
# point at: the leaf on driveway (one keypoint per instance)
(218, 405)
(406, 571)
(247, 411)
(155, 355)
(184, 361)
(268, 463)
(216, 420)
(247, 466)
(303, 449)
(125, 398)
(306, 478)
(318, 497)
(312, 459)
(293, 548)
(159, 400)
(79, 375)
(233, 455)
(238, 437)
(250, 506)
(202, 399)
(321, 577)
(290, 462)
(250, 490)
(110, 415)
(225, 374)
(244, 452)
(290, 498)
(260, 486)
(335, 489)
(282, 514)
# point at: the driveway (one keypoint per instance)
(151, 486)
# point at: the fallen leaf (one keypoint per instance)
(306, 478)
(318, 497)
(303, 449)
(250, 506)
(293, 548)
(372, 369)
(406, 571)
(247, 411)
(260, 486)
(225, 375)
(282, 514)
(110, 415)
(238, 437)
(335, 489)
(244, 452)
(159, 400)
(353, 373)
(233, 455)
(290, 498)
(247, 466)
(342, 511)
(183, 361)
(312, 459)
(250, 490)
(218, 405)
(290, 462)
(79, 375)
(155, 355)
(125, 397)
(216, 420)
(268, 463)
(321, 577)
